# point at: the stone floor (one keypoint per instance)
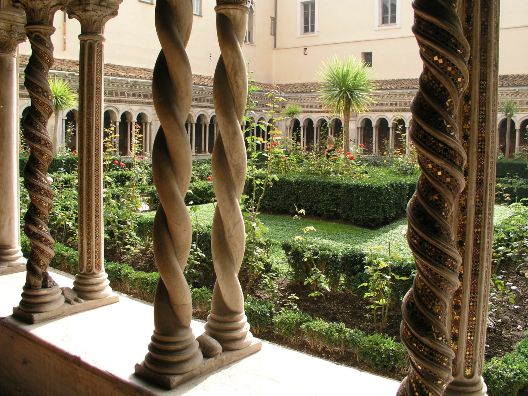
(113, 338)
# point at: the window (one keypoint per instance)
(197, 7)
(388, 9)
(250, 30)
(366, 57)
(308, 17)
(273, 28)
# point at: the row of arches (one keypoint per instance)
(518, 135)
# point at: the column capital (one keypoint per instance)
(40, 12)
(12, 33)
(93, 14)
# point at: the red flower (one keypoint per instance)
(209, 178)
(361, 145)
(275, 144)
(284, 158)
(116, 162)
(122, 165)
(351, 157)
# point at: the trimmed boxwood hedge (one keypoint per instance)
(512, 168)
(508, 375)
(366, 202)
(343, 267)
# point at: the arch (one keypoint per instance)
(309, 134)
(126, 127)
(321, 132)
(383, 136)
(295, 128)
(502, 131)
(366, 135)
(110, 133)
(400, 135)
(201, 132)
(70, 129)
(212, 133)
(336, 127)
(523, 130)
(142, 127)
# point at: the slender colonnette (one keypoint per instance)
(41, 293)
(227, 322)
(173, 349)
(425, 328)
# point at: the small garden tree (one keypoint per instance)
(63, 98)
(509, 108)
(346, 87)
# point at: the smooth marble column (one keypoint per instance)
(11, 258)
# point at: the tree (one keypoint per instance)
(63, 98)
(346, 87)
(509, 108)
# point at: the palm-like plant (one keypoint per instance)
(346, 87)
(509, 108)
(63, 98)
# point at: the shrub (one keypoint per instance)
(510, 244)
(287, 323)
(383, 353)
(259, 313)
(508, 375)
(201, 298)
(512, 190)
(512, 168)
(337, 264)
(367, 202)
(321, 334)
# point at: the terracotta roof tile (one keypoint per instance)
(111, 70)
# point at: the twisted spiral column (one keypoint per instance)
(425, 328)
(227, 322)
(41, 293)
(173, 349)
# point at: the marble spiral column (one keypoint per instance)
(41, 293)
(227, 322)
(426, 325)
(173, 349)
(11, 34)
(91, 283)
(475, 215)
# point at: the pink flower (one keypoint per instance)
(122, 165)
(116, 162)
(209, 178)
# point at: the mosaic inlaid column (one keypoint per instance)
(426, 309)
(91, 283)
(227, 322)
(475, 217)
(173, 348)
(41, 293)
(12, 33)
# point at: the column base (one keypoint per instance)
(454, 390)
(92, 286)
(11, 261)
(231, 332)
(12, 269)
(70, 304)
(207, 366)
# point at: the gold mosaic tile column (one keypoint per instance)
(475, 215)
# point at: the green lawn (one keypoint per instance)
(283, 228)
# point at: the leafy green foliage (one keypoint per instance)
(508, 375)
(510, 243)
(292, 110)
(259, 313)
(509, 108)
(63, 97)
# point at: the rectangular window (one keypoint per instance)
(197, 7)
(308, 16)
(388, 9)
(273, 26)
(366, 57)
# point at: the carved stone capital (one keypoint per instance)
(12, 21)
(233, 2)
(40, 12)
(93, 14)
